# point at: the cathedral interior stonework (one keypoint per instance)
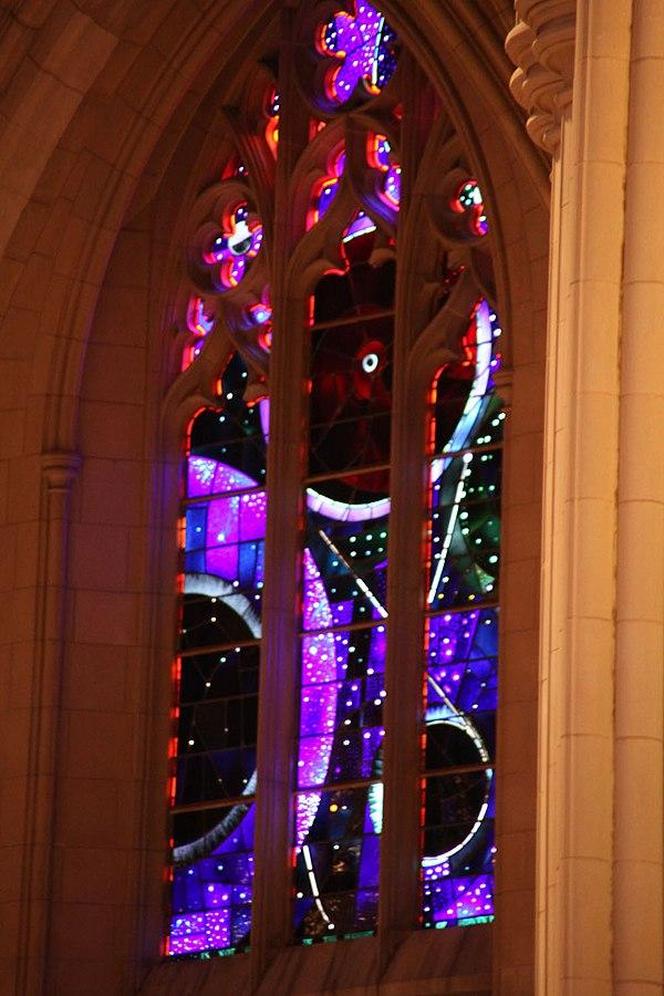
(331, 497)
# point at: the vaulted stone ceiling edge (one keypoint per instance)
(89, 91)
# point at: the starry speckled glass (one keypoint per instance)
(461, 633)
(214, 747)
(362, 45)
(338, 802)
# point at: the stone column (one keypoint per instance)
(587, 139)
(639, 702)
(58, 472)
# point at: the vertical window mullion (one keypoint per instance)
(277, 722)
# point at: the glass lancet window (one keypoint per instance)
(344, 573)
(461, 633)
(214, 751)
(352, 261)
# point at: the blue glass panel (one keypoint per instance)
(214, 747)
(343, 589)
(462, 634)
(337, 866)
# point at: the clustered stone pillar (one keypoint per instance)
(639, 704)
(602, 644)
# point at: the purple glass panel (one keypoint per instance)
(462, 635)
(339, 801)
(338, 864)
(457, 900)
(364, 47)
(214, 777)
(212, 898)
(237, 244)
(326, 190)
(380, 156)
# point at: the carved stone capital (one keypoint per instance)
(541, 46)
(59, 468)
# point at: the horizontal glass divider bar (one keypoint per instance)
(196, 598)
(236, 493)
(373, 316)
(339, 786)
(349, 628)
(367, 782)
(237, 697)
(458, 769)
(338, 475)
(373, 623)
(455, 454)
(203, 751)
(218, 648)
(324, 427)
(455, 610)
(346, 628)
(213, 804)
(487, 499)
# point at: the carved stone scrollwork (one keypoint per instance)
(541, 45)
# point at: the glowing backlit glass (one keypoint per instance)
(214, 746)
(461, 641)
(338, 803)
(362, 45)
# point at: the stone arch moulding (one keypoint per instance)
(536, 200)
(174, 104)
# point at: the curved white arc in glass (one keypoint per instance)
(342, 511)
(439, 859)
(451, 526)
(473, 406)
(449, 715)
(313, 883)
(215, 587)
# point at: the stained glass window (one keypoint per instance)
(469, 200)
(352, 235)
(361, 49)
(381, 157)
(461, 633)
(344, 572)
(236, 244)
(326, 188)
(214, 749)
(200, 322)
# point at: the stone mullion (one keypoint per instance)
(400, 842)
(272, 913)
(400, 889)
